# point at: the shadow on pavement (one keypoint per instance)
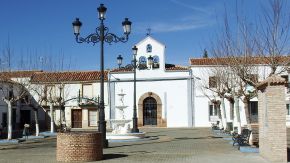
(113, 156)
(165, 141)
(18, 147)
(208, 137)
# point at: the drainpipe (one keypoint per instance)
(192, 96)
(109, 96)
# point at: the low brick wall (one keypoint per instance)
(79, 146)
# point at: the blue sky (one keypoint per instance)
(43, 28)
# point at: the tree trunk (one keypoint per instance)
(246, 102)
(224, 114)
(51, 119)
(9, 137)
(36, 122)
(221, 124)
(232, 103)
(238, 118)
(232, 108)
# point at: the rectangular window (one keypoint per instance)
(212, 82)
(93, 118)
(87, 90)
(288, 109)
(213, 112)
(253, 107)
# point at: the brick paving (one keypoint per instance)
(196, 145)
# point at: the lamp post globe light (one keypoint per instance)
(102, 35)
(135, 66)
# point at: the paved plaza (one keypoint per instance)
(196, 145)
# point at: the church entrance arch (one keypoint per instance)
(150, 110)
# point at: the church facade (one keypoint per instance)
(164, 94)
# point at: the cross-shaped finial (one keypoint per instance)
(148, 31)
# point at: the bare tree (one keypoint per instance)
(12, 92)
(247, 49)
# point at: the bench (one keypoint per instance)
(242, 139)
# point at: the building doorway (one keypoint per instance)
(76, 118)
(25, 118)
(150, 111)
(4, 120)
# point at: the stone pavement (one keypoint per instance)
(190, 145)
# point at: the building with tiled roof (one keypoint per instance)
(67, 77)
(282, 60)
(206, 87)
(18, 74)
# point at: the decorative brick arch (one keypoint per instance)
(160, 122)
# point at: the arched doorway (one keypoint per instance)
(149, 111)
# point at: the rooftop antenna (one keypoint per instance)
(148, 32)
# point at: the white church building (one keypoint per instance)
(164, 94)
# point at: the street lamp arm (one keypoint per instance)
(110, 37)
(96, 37)
(92, 38)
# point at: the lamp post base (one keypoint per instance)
(106, 143)
(135, 130)
(135, 126)
(102, 129)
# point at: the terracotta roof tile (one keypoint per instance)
(18, 74)
(67, 76)
(272, 80)
(122, 69)
(249, 60)
(125, 69)
(176, 68)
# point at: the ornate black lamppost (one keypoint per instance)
(135, 66)
(119, 60)
(102, 35)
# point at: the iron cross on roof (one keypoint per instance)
(148, 31)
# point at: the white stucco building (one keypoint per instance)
(164, 94)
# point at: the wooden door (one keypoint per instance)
(150, 111)
(76, 118)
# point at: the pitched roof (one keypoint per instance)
(56, 77)
(176, 68)
(149, 38)
(272, 80)
(18, 74)
(249, 60)
(122, 69)
(128, 69)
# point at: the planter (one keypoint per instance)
(79, 146)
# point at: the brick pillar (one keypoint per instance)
(272, 119)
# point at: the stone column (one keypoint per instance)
(272, 119)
